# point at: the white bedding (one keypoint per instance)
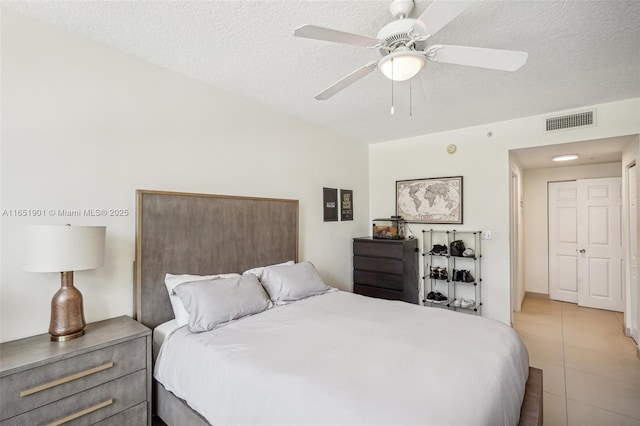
(341, 358)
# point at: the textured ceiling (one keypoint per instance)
(580, 53)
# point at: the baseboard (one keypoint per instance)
(532, 295)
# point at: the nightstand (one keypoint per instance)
(103, 377)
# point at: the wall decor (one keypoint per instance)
(346, 204)
(430, 200)
(330, 204)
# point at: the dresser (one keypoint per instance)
(103, 377)
(387, 269)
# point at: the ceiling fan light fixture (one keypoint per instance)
(565, 157)
(402, 65)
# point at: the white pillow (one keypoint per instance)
(212, 303)
(171, 281)
(257, 271)
(288, 283)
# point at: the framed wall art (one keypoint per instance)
(330, 204)
(346, 204)
(431, 200)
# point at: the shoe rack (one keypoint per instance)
(457, 278)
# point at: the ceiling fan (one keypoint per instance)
(404, 47)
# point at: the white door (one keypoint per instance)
(585, 251)
(600, 260)
(563, 241)
(632, 180)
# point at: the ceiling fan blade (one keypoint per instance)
(437, 15)
(327, 34)
(504, 60)
(347, 81)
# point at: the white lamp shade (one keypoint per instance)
(63, 248)
(402, 65)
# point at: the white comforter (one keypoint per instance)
(344, 359)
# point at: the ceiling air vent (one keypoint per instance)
(580, 119)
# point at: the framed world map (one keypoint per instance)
(432, 200)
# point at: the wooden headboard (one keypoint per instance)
(201, 234)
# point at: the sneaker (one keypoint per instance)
(431, 296)
(434, 273)
(467, 303)
(442, 274)
(456, 275)
(468, 253)
(439, 297)
(439, 250)
(457, 302)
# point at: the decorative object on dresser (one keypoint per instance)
(386, 268)
(452, 274)
(389, 228)
(103, 378)
(64, 249)
(433, 200)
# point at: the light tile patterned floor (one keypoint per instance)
(591, 374)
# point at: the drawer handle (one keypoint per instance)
(81, 413)
(66, 379)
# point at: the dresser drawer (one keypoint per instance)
(42, 385)
(379, 249)
(377, 292)
(89, 406)
(376, 264)
(376, 279)
(134, 416)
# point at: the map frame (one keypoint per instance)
(431, 215)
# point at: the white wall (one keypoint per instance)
(84, 126)
(536, 231)
(484, 163)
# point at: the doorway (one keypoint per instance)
(632, 223)
(585, 247)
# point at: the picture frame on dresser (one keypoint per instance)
(430, 200)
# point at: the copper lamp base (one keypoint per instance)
(67, 313)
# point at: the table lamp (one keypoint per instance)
(64, 249)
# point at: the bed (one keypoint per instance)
(331, 358)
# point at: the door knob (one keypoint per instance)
(582, 250)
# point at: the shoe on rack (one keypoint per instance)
(442, 274)
(431, 296)
(468, 253)
(439, 297)
(467, 277)
(456, 275)
(439, 250)
(457, 302)
(434, 272)
(467, 303)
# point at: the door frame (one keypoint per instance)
(632, 308)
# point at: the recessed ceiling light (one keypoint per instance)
(566, 157)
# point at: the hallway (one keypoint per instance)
(591, 371)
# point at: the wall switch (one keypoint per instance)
(486, 235)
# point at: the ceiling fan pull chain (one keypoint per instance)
(392, 110)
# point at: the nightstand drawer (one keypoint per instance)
(29, 389)
(90, 406)
(131, 417)
(375, 264)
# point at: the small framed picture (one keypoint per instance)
(346, 204)
(330, 204)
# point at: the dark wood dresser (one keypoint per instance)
(387, 269)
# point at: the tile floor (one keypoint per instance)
(591, 374)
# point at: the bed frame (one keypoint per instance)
(185, 233)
